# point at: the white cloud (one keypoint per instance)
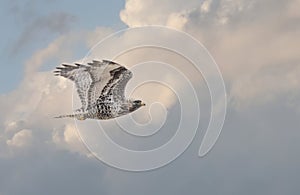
(41, 96)
(141, 12)
(265, 87)
(293, 11)
(256, 54)
(252, 51)
(205, 7)
(177, 20)
(21, 139)
(70, 135)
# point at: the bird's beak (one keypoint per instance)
(143, 104)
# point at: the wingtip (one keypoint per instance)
(109, 61)
(56, 72)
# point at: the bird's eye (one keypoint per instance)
(137, 101)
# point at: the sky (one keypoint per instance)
(255, 45)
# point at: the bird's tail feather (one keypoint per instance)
(77, 116)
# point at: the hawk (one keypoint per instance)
(100, 87)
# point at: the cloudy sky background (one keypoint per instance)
(256, 45)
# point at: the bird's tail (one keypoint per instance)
(77, 116)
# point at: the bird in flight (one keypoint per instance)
(100, 86)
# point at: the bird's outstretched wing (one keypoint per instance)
(115, 87)
(98, 78)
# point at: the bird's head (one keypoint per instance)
(135, 104)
